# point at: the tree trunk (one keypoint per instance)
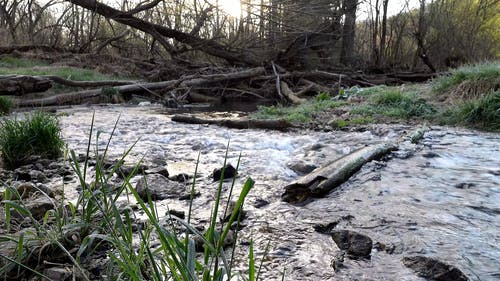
(348, 32)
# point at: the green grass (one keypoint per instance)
(483, 113)
(302, 113)
(343, 123)
(6, 105)
(101, 226)
(394, 103)
(38, 134)
(488, 72)
(13, 62)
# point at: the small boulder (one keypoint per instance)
(229, 172)
(301, 167)
(433, 269)
(39, 206)
(230, 210)
(356, 245)
(182, 177)
(159, 187)
(125, 171)
(58, 273)
(158, 170)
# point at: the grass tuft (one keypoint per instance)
(37, 135)
(6, 105)
(302, 113)
(394, 103)
(469, 81)
(482, 113)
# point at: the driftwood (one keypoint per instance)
(144, 88)
(280, 125)
(321, 181)
(21, 84)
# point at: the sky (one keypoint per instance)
(233, 7)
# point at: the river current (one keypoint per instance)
(440, 198)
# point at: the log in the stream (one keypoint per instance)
(323, 180)
(280, 125)
(21, 84)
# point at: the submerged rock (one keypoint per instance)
(159, 187)
(433, 269)
(356, 245)
(301, 167)
(229, 172)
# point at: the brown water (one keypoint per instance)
(442, 202)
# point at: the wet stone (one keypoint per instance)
(229, 172)
(232, 205)
(433, 269)
(465, 185)
(126, 171)
(158, 170)
(179, 214)
(38, 207)
(259, 203)
(355, 244)
(57, 273)
(159, 187)
(301, 167)
(181, 177)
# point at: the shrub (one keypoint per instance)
(38, 134)
(5, 105)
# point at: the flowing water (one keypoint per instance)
(439, 199)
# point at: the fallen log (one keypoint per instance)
(149, 88)
(323, 180)
(280, 125)
(21, 84)
(86, 84)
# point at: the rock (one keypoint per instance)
(229, 172)
(465, 185)
(125, 171)
(338, 261)
(356, 245)
(259, 203)
(158, 170)
(187, 195)
(23, 173)
(182, 177)
(433, 269)
(381, 247)
(159, 187)
(301, 167)
(28, 189)
(58, 273)
(230, 209)
(39, 206)
(179, 214)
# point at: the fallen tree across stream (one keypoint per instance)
(325, 179)
(280, 125)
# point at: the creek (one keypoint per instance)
(439, 198)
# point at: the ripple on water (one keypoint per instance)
(442, 202)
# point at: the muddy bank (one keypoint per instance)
(436, 199)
